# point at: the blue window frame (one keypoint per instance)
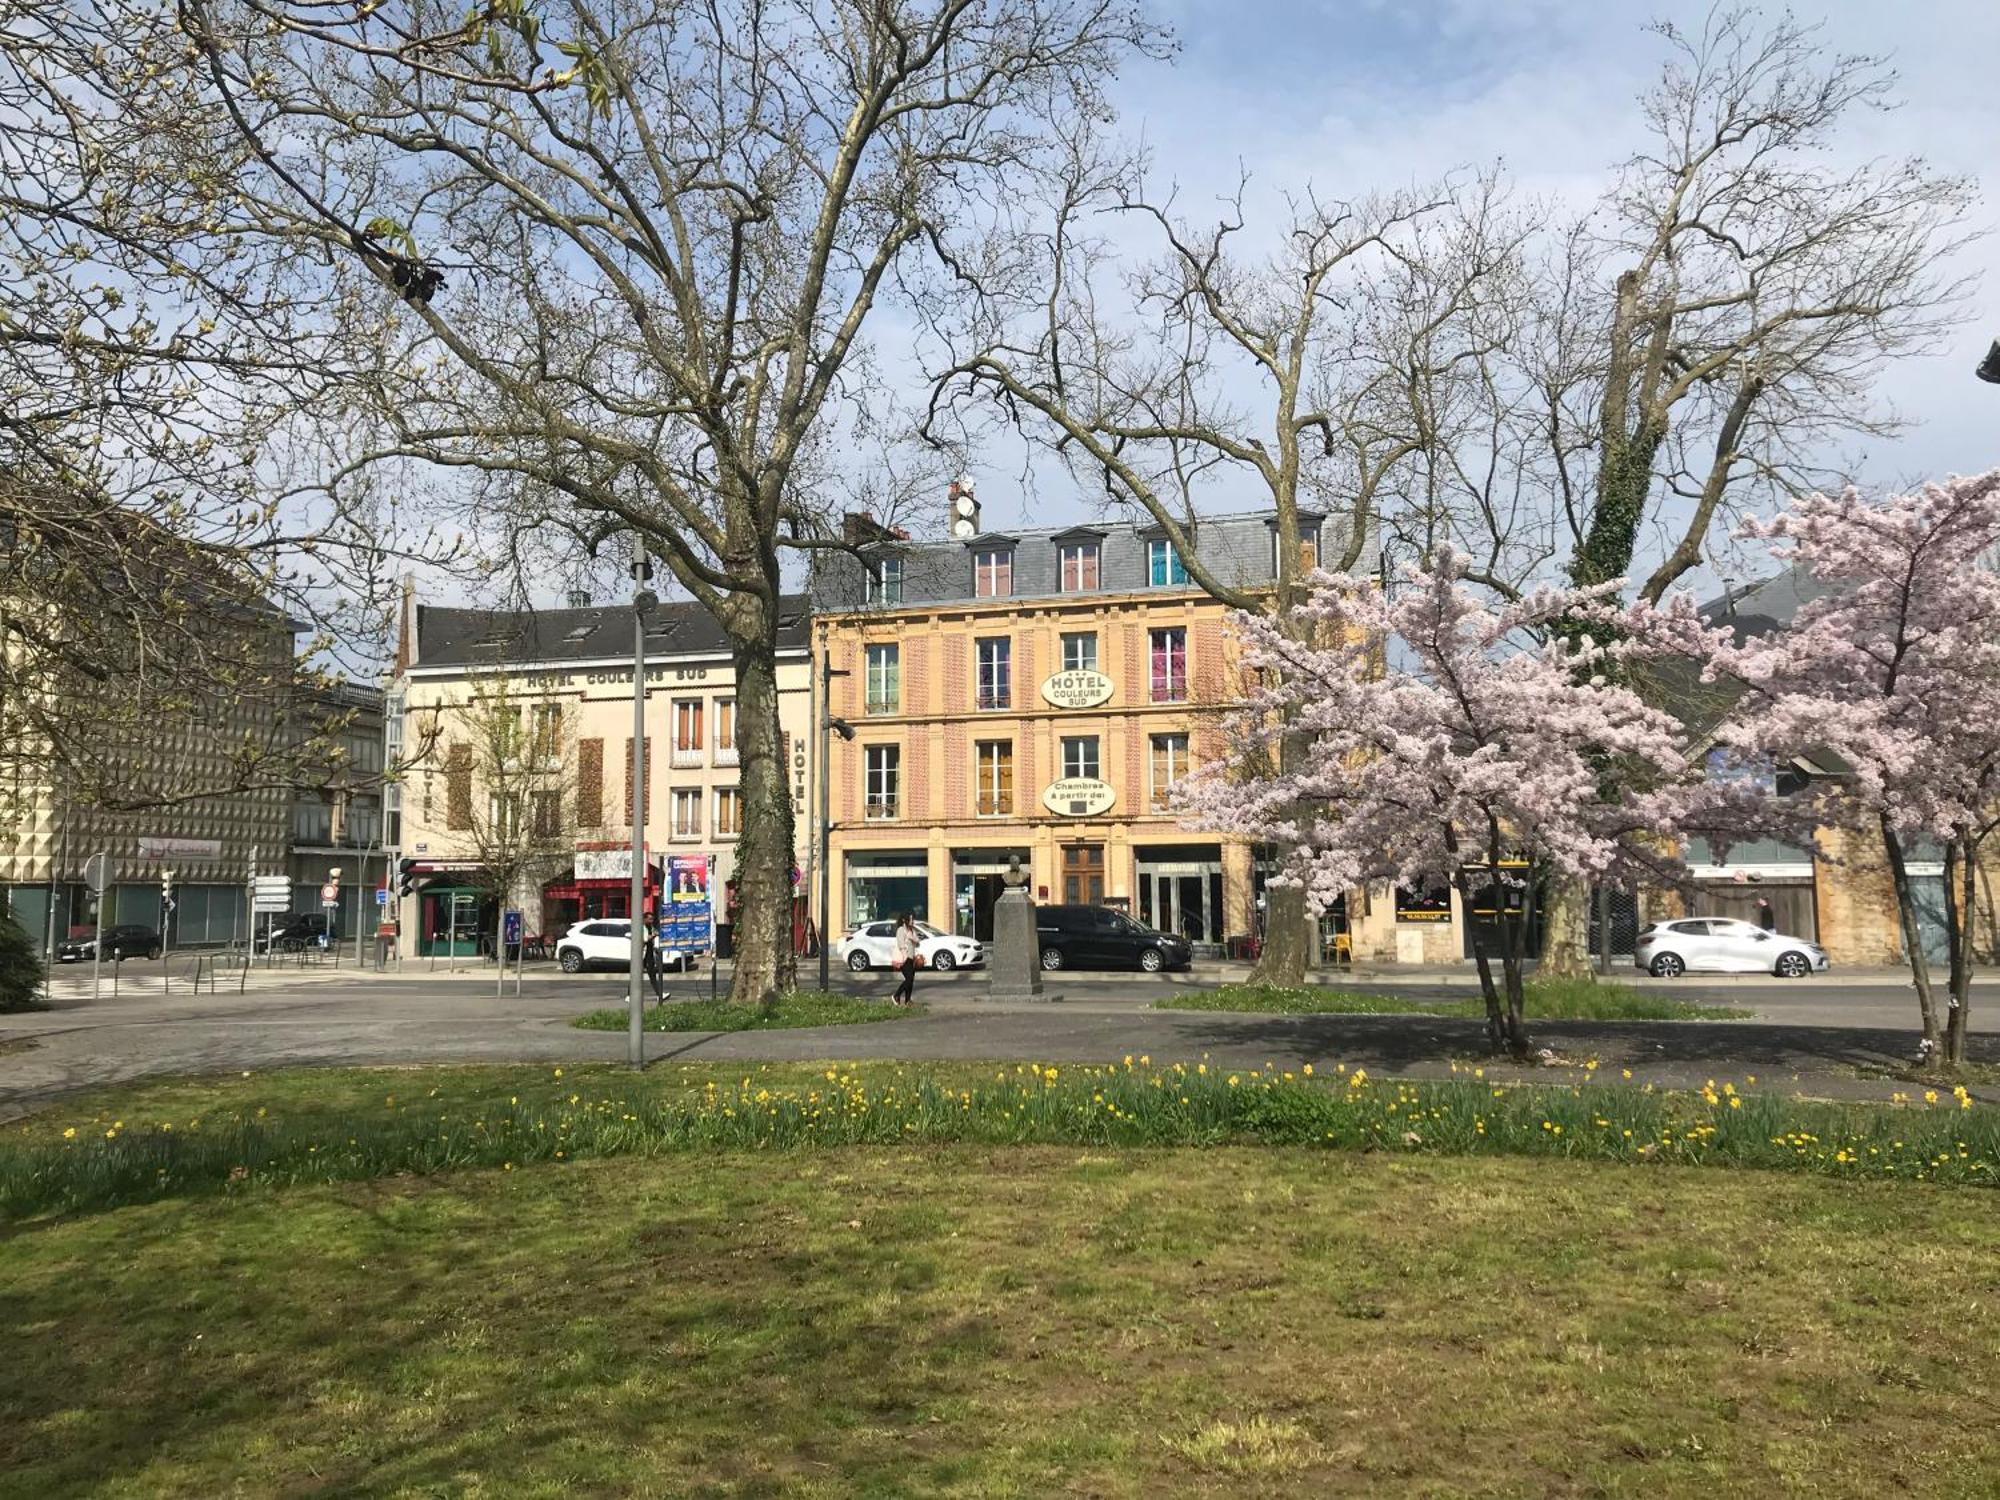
(1163, 564)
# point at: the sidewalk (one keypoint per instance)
(1205, 973)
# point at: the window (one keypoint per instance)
(885, 679)
(546, 743)
(1079, 651)
(1170, 764)
(504, 817)
(312, 823)
(1309, 536)
(993, 573)
(996, 672)
(728, 812)
(725, 730)
(1079, 566)
(1169, 659)
(884, 581)
(994, 771)
(884, 773)
(548, 814)
(1163, 564)
(1079, 756)
(687, 813)
(688, 742)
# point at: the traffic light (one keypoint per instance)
(406, 875)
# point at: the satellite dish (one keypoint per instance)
(964, 509)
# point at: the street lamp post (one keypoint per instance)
(828, 725)
(1989, 367)
(642, 601)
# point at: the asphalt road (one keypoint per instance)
(1812, 1036)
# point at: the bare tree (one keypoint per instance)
(510, 800)
(1749, 288)
(620, 252)
(1174, 385)
(151, 588)
(1709, 337)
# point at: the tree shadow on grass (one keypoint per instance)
(1406, 1043)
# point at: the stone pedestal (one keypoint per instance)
(1014, 964)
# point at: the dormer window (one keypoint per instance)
(884, 580)
(993, 572)
(1079, 566)
(1163, 565)
(1079, 559)
(1309, 545)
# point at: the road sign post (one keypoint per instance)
(96, 872)
(166, 928)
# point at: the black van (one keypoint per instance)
(1099, 937)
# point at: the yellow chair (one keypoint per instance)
(1343, 949)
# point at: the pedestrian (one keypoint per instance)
(1767, 918)
(908, 947)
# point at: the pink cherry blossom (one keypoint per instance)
(1434, 734)
(1895, 669)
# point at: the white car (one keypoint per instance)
(605, 942)
(872, 945)
(1723, 945)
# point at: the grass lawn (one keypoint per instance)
(976, 1320)
(801, 1008)
(1546, 999)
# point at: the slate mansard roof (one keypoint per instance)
(491, 638)
(1236, 548)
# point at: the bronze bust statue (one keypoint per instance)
(1014, 877)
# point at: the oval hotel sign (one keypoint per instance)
(1078, 689)
(1078, 797)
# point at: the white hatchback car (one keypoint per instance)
(872, 945)
(1723, 945)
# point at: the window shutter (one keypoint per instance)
(458, 788)
(590, 783)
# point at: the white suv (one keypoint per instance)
(605, 941)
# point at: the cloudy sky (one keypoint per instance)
(1352, 94)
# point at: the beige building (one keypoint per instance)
(570, 671)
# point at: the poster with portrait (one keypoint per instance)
(687, 920)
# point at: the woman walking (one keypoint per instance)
(908, 947)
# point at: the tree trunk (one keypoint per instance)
(1287, 925)
(765, 964)
(1566, 930)
(1514, 930)
(1913, 946)
(1960, 897)
(1496, 1021)
(500, 947)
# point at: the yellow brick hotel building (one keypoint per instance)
(1034, 693)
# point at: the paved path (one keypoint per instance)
(1820, 1039)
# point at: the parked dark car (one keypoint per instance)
(127, 940)
(303, 931)
(1099, 937)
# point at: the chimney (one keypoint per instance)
(406, 629)
(858, 528)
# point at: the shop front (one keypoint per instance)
(454, 921)
(884, 885)
(976, 884)
(1180, 890)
